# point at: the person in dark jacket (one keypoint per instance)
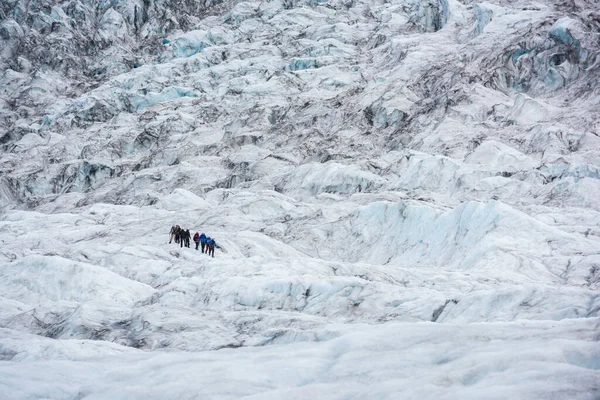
(177, 234)
(203, 241)
(211, 247)
(197, 239)
(188, 236)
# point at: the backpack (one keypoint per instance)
(196, 237)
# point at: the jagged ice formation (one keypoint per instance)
(406, 196)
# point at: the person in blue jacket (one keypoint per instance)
(203, 241)
(208, 239)
(211, 247)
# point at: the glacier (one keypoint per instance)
(405, 196)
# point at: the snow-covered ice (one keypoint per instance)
(405, 195)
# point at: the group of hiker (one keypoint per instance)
(183, 236)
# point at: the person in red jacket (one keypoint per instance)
(197, 239)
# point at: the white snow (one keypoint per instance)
(424, 360)
(404, 197)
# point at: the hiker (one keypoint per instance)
(181, 237)
(202, 240)
(211, 247)
(172, 234)
(197, 239)
(177, 234)
(188, 236)
(207, 241)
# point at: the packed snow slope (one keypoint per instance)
(406, 196)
